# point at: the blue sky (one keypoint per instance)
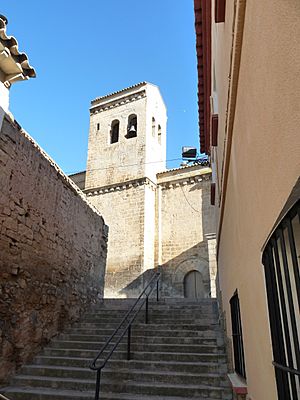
(82, 50)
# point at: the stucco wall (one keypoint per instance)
(263, 168)
(52, 249)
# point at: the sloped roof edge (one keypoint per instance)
(11, 44)
(119, 91)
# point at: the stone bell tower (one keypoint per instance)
(126, 150)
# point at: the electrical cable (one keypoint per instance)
(126, 165)
(192, 207)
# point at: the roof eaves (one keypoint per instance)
(10, 44)
(119, 91)
(203, 47)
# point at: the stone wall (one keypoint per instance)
(185, 222)
(52, 249)
(129, 158)
(124, 209)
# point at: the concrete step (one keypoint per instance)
(82, 358)
(152, 320)
(150, 326)
(148, 332)
(120, 375)
(116, 365)
(53, 394)
(146, 339)
(123, 386)
(147, 347)
(179, 355)
(199, 312)
(119, 355)
(188, 367)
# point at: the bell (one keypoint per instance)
(131, 132)
(132, 129)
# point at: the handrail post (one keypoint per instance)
(98, 384)
(128, 342)
(147, 306)
(157, 291)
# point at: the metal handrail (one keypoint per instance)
(286, 369)
(127, 329)
(3, 397)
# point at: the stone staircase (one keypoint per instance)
(179, 355)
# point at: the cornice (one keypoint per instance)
(117, 187)
(100, 98)
(172, 183)
(118, 102)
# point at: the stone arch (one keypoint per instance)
(198, 264)
(132, 126)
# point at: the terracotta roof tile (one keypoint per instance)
(11, 45)
(119, 91)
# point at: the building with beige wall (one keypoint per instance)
(156, 217)
(249, 114)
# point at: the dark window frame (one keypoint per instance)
(237, 336)
(159, 133)
(282, 279)
(153, 127)
(115, 131)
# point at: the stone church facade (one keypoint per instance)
(157, 218)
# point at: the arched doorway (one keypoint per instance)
(193, 285)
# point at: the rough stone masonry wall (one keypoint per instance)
(186, 223)
(52, 249)
(123, 209)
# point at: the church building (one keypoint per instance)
(157, 218)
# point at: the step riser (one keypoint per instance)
(145, 339)
(150, 326)
(154, 313)
(58, 357)
(117, 377)
(140, 332)
(191, 368)
(30, 396)
(123, 387)
(96, 346)
(122, 365)
(171, 356)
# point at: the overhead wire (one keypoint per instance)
(128, 165)
(197, 211)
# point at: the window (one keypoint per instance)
(131, 126)
(281, 264)
(98, 127)
(159, 134)
(153, 126)
(114, 132)
(237, 336)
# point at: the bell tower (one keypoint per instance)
(127, 138)
(126, 150)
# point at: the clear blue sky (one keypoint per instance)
(82, 50)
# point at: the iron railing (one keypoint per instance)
(281, 265)
(3, 397)
(123, 328)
